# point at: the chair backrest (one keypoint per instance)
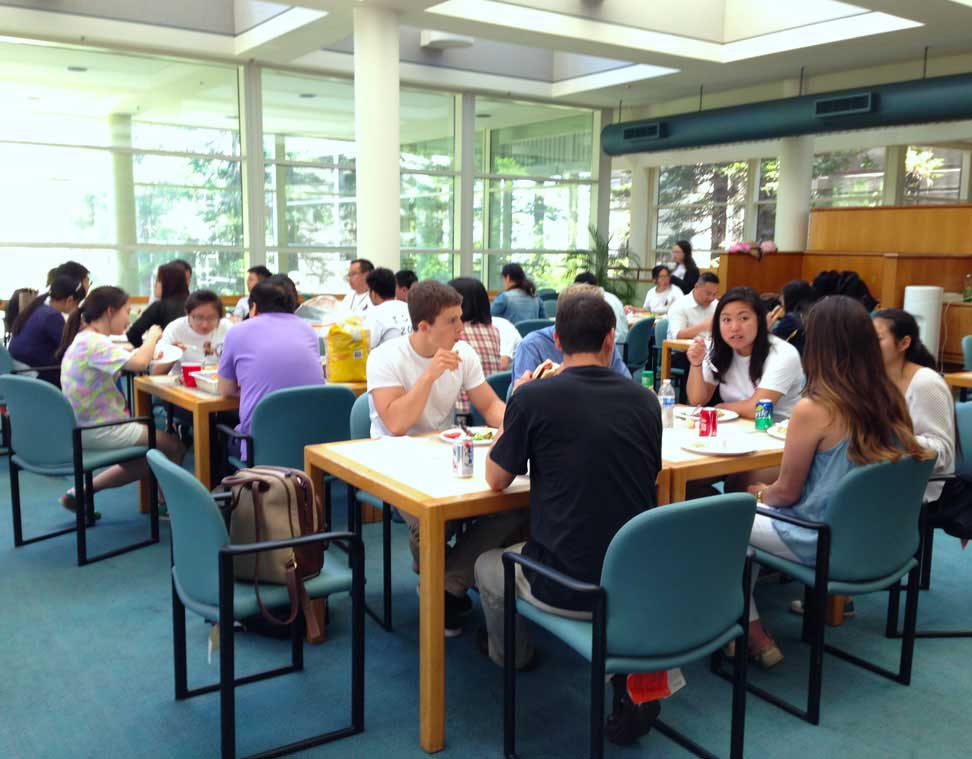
(6, 360)
(361, 418)
(967, 352)
(873, 517)
(527, 326)
(285, 421)
(661, 332)
(546, 292)
(500, 382)
(550, 307)
(198, 529)
(963, 431)
(42, 421)
(674, 575)
(639, 341)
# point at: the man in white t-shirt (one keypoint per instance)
(413, 385)
(620, 318)
(387, 318)
(357, 300)
(510, 338)
(253, 275)
(691, 315)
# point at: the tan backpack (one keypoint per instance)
(277, 503)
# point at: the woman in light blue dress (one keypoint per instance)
(518, 301)
(851, 414)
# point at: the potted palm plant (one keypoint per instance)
(615, 272)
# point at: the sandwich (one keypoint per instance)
(547, 368)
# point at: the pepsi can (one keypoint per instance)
(462, 458)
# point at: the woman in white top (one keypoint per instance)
(745, 363)
(200, 333)
(912, 368)
(664, 293)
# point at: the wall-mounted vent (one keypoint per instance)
(845, 105)
(654, 130)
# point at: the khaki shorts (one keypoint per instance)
(108, 438)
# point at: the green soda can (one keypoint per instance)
(648, 379)
(764, 415)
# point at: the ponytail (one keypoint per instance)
(62, 287)
(519, 278)
(92, 308)
(902, 324)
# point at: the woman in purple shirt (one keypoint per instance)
(38, 329)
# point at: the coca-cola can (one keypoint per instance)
(462, 458)
(708, 422)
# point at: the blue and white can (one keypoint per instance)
(462, 458)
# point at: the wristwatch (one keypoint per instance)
(759, 495)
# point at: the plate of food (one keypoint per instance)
(779, 430)
(167, 354)
(480, 435)
(731, 445)
(694, 412)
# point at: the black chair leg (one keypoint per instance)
(910, 623)
(179, 646)
(89, 498)
(297, 642)
(927, 544)
(738, 729)
(819, 623)
(386, 564)
(509, 663)
(357, 638)
(82, 508)
(894, 605)
(18, 526)
(227, 677)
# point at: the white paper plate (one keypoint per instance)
(779, 430)
(686, 412)
(169, 354)
(454, 433)
(118, 338)
(721, 446)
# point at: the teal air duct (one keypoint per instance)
(943, 98)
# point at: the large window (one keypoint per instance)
(120, 162)
(932, 175)
(769, 180)
(535, 186)
(701, 203)
(848, 178)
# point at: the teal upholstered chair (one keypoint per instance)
(639, 343)
(550, 305)
(46, 440)
(527, 326)
(9, 366)
(939, 518)
(360, 423)
(500, 382)
(966, 363)
(867, 545)
(661, 334)
(202, 581)
(674, 589)
(546, 292)
(285, 421)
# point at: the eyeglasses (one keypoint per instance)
(201, 319)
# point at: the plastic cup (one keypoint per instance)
(187, 369)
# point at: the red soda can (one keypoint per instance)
(708, 422)
(462, 457)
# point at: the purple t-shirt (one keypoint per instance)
(39, 338)
(266, 353)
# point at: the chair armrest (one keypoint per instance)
(231, 433)
(36, 369)
(775, 514)
(271, 545)
(127, 420)
(552, 574)
(222, 496)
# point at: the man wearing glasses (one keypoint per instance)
(358, 298)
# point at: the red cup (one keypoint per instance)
(187, 369)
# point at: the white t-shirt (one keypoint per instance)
(357, 303)
(387, 321)
(932, 412)
(396, 364)
(686, 312)
(509, 336)
(679, 271)
(242, 308)
(195, 345)
(782, 373)
(659, 303)
(620, 318)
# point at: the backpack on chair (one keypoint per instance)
(277, 503)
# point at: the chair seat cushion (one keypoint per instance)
(806, 575)
(91, 460)
(236, 462)
(577, 634)
(371, 500)
(333, 579)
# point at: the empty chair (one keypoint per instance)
(45, 439)
(674, 589)
(639, 343)
(203, 583)
(500, 382)
(546, 292)
(527, 326)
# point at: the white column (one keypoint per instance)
(793, 195)
(602, 167)
(251, 143)
(467, 168)
(123, 175)
(894, 175)
(376, 124)
(639, 204)
(751, 210)
(965, 178)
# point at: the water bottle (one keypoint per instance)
(667, 397)
(967, 291)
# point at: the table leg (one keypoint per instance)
(201, 443)
(835, 610)
(143, 407)
(432, 631)
(679, 482)
(318, 605)
(666, 361)
(664, 488)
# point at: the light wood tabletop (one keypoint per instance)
(666, 355)
(959, 379)
(414, 475)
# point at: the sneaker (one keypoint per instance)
(797, 607)
(457, 609)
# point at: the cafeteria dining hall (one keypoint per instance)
(554, 379)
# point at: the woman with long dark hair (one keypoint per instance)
(90, 368)
(685, 272)
(851, 414)
(787, 321)
(173, 290)
(745, 363)
(913, 370)
(518, 301)
(478, 330)
(38, 328)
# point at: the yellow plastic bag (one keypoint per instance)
(347, 351)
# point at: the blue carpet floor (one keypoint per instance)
(86, 667)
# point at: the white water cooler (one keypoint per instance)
(924, 302)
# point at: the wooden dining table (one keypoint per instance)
(414, 475)
(666, 355)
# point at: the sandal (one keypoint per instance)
(70, 502)
(768, 656)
